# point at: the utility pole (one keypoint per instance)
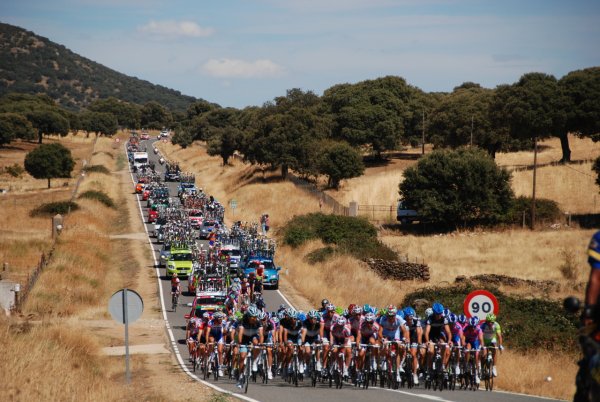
(423, 136)
(534, 177)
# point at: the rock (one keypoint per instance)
(403, 271)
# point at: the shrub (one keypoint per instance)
(320, 255)
(97, 169)
(15, 170)
(98, 196)
(546, 211)
(53, 208)
(355, 236)
(527, 324)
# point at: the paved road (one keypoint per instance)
(279, 391)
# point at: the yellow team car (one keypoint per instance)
(180, 261)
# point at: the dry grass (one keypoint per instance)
(519, 253)
(550, 151)
(527, 374)
(572, 186)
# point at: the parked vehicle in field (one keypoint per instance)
(405, 215)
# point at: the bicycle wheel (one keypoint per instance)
(247, 371)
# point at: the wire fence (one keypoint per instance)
(520, 168)
(324, 199)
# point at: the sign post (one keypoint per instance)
(480, 303)
(233, 205)
(126, 306)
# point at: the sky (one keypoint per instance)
(245, 52)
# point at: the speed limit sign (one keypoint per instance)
(480, 303)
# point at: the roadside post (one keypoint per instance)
(233, 205)
(126, 306)
(480, 303)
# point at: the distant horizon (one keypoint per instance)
(247, 52)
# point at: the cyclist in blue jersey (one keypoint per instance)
(437, 331)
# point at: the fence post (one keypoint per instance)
(353, 208)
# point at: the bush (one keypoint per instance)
(97, 169)
(98, 196)
(527, 324)
(461, 187)
(320, 255)
(53, 208)
(15, 170)
(355, 236)
(546, 211)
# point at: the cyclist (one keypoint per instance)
(341, 337)
(368, 334)
(458, 337)
(492, 336)
(292, 327)
(231, 303)
(323, 309)
(415, 334)
(355, 320)
(329, 318)
(215, 333)
(175, 284)
(473, 340)
(194, 326)
(250, 331)
(437, 331)
(393, 329)
(312, 333)
(463, 321)
(270, 333)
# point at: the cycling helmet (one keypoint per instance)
(236, 280)
(293, 314)
(357, 310)
(367, 309)
(263, 315)
(370, 317)
(218, 315)
(437, 308)
(462, 319)
(281, 314)
(260, 303)
(341, 321)
(301, 316)
(447, 312)
(400, 313)
(324, 303)
(392, 310)
(339, 310)
(409, 312)
(206, 315)
(344, 313)
(314, 314)
(491, 318)
(473, 321)
(275, 320)
(452, 318)
(351, 307)
(330, 307)
(428, 312)
(282, 307)
(253, 311)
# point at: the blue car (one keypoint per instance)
(271, 273)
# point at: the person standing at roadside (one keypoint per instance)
(267, 223)
(262, 224)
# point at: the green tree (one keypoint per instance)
(49, 161)
(48, 122)
(99, 123)
(454, 187)
(127, 114)
(535, 106)
(224, 142)
(183, 138)
(582, 89)
(155, 116)
(340, 161)
(14, 125)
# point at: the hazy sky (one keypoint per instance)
(240, 53)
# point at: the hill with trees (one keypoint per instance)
(32, 64)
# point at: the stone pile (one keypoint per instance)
(403, 271)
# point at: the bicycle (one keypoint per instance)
(407, 378)
(469, 374)
(487, 368)
(174, 301)
(369, 371)
(453, 363)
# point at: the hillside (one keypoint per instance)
(33, 64)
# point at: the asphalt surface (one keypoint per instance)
(277, 390)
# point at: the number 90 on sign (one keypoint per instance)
(480, 303)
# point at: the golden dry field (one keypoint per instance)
(65, 323)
